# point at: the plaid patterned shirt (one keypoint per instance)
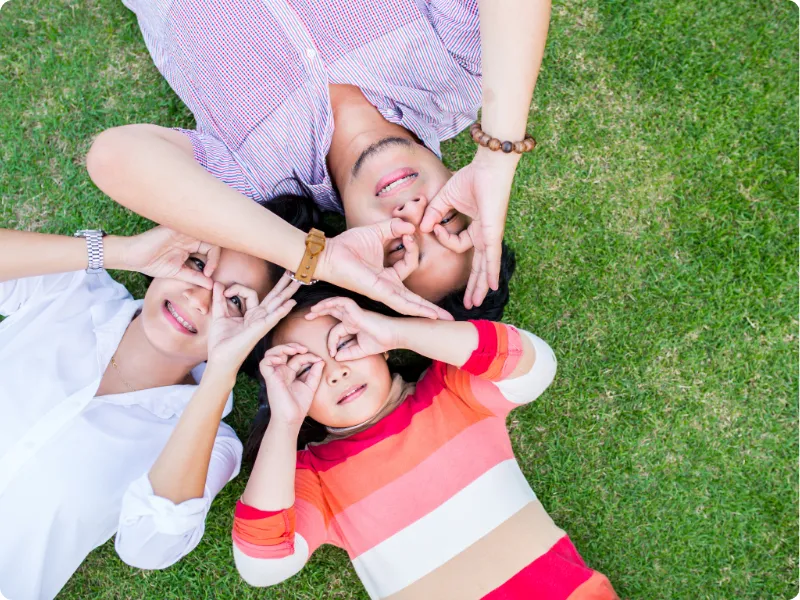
(255, 73)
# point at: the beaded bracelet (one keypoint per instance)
(487, 141)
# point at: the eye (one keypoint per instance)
(448, 218)
(397, 247)
(344, 343)
(196, 262)
(236, 301)
(302, 371)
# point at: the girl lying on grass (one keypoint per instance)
(105, 423)
(417, 482)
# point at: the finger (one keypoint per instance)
(494, 254)
(275, 299)
(410, 260)
(189, 275)
(283, 282)
(407, 302)
(219, 308)
(352, 352)
(212, 258)
(481, 284)
(474, 274)
(393, 228)
(314, 376)
(437, 208)
(276, 315)
(285, 350)
(457, 242)
(300, 360)
(324, 306)
(250, 297)
(335, 335)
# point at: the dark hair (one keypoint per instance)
(310, 431)
(492, 307)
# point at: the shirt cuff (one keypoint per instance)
(140, 502)
(498, 352)
(264, 534)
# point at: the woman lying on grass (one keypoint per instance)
(418, 483)
(104, 427)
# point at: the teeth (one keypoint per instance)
(179, 319)
(394, 184)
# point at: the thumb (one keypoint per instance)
(440, 205)
(194, 277)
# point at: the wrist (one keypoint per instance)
(114, 252)
(496, 160)
(283, 431)
(219, 376)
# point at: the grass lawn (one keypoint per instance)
(656, 229)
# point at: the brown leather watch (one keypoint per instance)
(315, 244)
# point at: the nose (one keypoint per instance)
(337, 373)
(411, 210)
(198, 298)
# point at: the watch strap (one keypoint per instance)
(315, 244)
(94, 248)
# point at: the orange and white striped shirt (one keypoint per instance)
(430, 501)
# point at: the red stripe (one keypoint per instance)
(483, 356)
(244, 511)
(327, 456)
(552, 576)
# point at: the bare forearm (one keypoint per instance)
(513, 35)
(450, 342)
(151, 170)
(27, 254)
(181, 469)
(271, 484)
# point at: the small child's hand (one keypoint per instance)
(361, 333)
(292, 375)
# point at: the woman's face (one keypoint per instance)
(176, 315)
(350, 392)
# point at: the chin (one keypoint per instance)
(168, 342)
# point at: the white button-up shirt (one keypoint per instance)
(73, 467)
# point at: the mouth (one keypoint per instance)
(351, 394)
(394, 181)
(177, 321)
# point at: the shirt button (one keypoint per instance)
(311, 53)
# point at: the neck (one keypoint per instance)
(357, 124)
(145, 366)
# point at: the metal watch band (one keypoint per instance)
(94, 247)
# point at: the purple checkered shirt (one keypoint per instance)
(255, 74)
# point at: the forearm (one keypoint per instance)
(271, 484)
(450, 342)
(181, 470)
(513, 35)
(28, 254)
(151, 170)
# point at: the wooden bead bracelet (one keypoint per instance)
(487, 141)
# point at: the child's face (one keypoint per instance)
(350, 392)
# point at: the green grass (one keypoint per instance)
(656, 231)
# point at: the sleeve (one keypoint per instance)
(17, 293)
(214, 156)
(155, 533)
(483, 381)
(270, 547)
(458, 25)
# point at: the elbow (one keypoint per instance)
(106, 156)
(266, 572)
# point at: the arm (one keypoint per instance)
(513, 35)
(27, 254)
(280, 519)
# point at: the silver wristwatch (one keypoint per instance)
(94, 245)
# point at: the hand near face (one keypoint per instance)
(163, 252)
(239, 321)
(355, 260)
(359, 333)
(292, 376)
(481, 191)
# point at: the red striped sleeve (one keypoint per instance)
(498, 352)
(263, 534)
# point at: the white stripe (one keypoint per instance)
(526, 388)
(263, 572)
(431, 541)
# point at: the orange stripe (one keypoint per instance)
(370, 470)
(435, 480)
(597, 587)
(269, 531)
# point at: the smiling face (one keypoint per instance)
(397, 178)
(350, 392)
(176, 315)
